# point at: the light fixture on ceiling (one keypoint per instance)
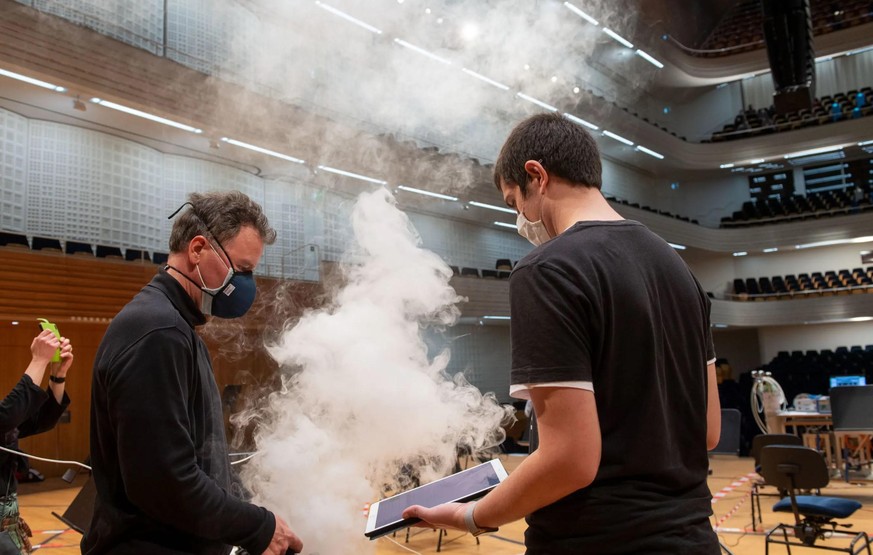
(32, 81)
(481, 77)
(495, 317)
(581, 121)
(865, 143)
(537, 102)
(649, 59)
(813, 151)
(772, 249)
(491, 207)
(145, 115)
(833, 242)
(756, 161)
(353, 175)
(426, 193)
(262, 150)
(618, 138)
(580, 13)
(677, 246)
(725, 166)
(650, 152)
(618, 37)
(347, 17)
(740, 253)
(422, 51)
(506, 225)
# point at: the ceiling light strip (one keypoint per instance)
(581, 121)
(812, 151)
(353, 175)
(537, 102)
(503, 224)
(32, 81)
(491, 207)
(347, 17)
(145, 115)
(580, 13)
(618, 37)
(649, 59)
(422, 51)
(426, 193)
(481, 77)
(618, 138)
(262, 150)
(650, 152)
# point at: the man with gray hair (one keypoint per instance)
(158, 448)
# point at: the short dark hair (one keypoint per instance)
(564, 149)
(219, 214)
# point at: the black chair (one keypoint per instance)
(159, 258)
(46, 244)
(473, 272)
(133, 255)
(13, 240)
(489, 273)
(503, 264)
(794, 468)
(75, 247)
(108, 252)
(758, 443)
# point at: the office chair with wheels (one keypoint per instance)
(793, 468)
(758, 443)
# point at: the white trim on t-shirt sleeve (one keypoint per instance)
(708, 362)
(522, 390)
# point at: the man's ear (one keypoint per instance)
(195, 249)
(536, 171)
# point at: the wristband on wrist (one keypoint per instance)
(471, 524)
(55, 379)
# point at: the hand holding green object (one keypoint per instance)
(46, 325)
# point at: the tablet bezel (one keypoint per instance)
(373, 533)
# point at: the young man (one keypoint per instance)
(611, 342)
(158, 450)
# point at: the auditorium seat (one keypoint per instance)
(46, 244)
(470, 272)
(78, 248)
(133, 255)
(8, 239)
(104, 251)
(159, 258)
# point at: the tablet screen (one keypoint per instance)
(463, 485)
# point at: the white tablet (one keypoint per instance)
(385, 515)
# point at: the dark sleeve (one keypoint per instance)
(47, 416)
(550, 339)
(22, 403)
(707, 307)
(148, 397)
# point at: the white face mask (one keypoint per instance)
(535, 232)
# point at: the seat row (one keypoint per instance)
(742, 29)
(842, 106)
(816, 284)
(49, 244)
(800, 207)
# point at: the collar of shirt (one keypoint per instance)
(183, 302)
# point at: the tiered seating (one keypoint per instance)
(741, 30)
(649, 209)
(817, 284)
(502, 269)
(809, 372)
(798, 207)
(842, 106)
(78, 248)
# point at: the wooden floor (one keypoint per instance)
(729, 483)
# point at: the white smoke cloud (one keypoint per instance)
(361, 398)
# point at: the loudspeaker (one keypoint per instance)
(788, 35)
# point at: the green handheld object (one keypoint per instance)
(46, 325)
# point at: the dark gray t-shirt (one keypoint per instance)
(611, 303)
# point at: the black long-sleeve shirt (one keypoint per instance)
(158, 448)
(26, 411)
